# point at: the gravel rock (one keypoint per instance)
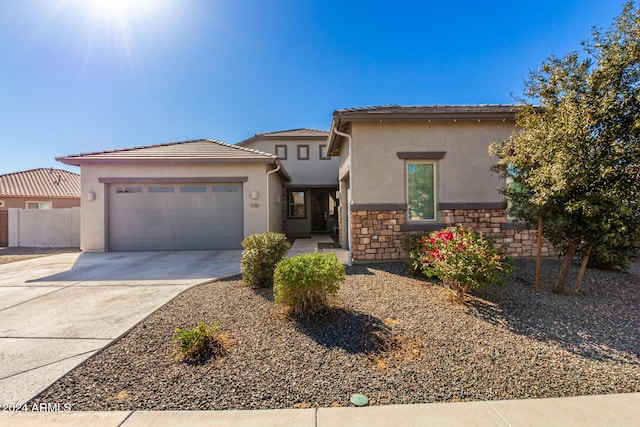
(14, 254)
(392, 337)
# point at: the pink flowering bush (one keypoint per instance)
(463, 260)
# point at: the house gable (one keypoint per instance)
(201, 194)
(420, 168)
(303, 154)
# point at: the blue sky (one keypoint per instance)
(79, 76)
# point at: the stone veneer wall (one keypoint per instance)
(377, 234)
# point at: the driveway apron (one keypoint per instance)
(57, 311)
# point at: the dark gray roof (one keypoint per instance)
(299, 134)
(486, 111)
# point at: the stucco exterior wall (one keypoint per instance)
(94, 212)
(50, 228)
(312, 172)
(57, 203)
(275, 202)
(463, 175)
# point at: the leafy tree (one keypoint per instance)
(575, 160)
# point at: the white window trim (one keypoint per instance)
(39, 202)
(435, 189)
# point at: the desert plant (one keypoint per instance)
(196, 343)
(463, 260)
(304, 282)
(261, 254)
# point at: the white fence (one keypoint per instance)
(50, 228)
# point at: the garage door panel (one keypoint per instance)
(175, 217)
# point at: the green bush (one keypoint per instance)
(196, 343)
(411, 243)
(304, 282)
(462, 259)
(261, 254)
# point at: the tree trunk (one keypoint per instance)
(539, 255)
(566, 266)
(583, 267)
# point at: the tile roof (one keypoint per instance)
(202, 149)
(42, 182)
(428, 112)
(435, 109)
(301, 133)
(296, 132)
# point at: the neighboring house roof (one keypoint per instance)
(42, 182)
(296, 134)
(341, 118)
(201, 150)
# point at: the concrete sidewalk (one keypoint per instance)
(310, 245)
(597, 411)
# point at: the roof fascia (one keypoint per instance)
(409, 116)
(79, 161)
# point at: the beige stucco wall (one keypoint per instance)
(51, 228)
(94, 213)
(275, 202)
(57, 203)
(463, 175)
(312, 172)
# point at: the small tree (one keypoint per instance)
(574, 161)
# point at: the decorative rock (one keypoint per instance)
(359, 399)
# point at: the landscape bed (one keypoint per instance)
(392, 337)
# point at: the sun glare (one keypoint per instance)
(120, 9)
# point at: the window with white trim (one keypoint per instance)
(39, 205)
(421, 191)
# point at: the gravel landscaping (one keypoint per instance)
(394, 338)
(8, 255)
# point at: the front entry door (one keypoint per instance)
(319, 210)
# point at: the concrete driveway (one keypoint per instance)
(57, 311)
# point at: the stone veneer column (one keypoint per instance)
(376, 235)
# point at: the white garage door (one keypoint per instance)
(175, 216)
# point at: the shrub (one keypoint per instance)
(412, 245)
(304, 282)
(197, 343)
(259, 258)
(462, 259)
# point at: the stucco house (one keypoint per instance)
(201, 194)
(422, 168)
(42, 188)
(378, 174)
(310, 204)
